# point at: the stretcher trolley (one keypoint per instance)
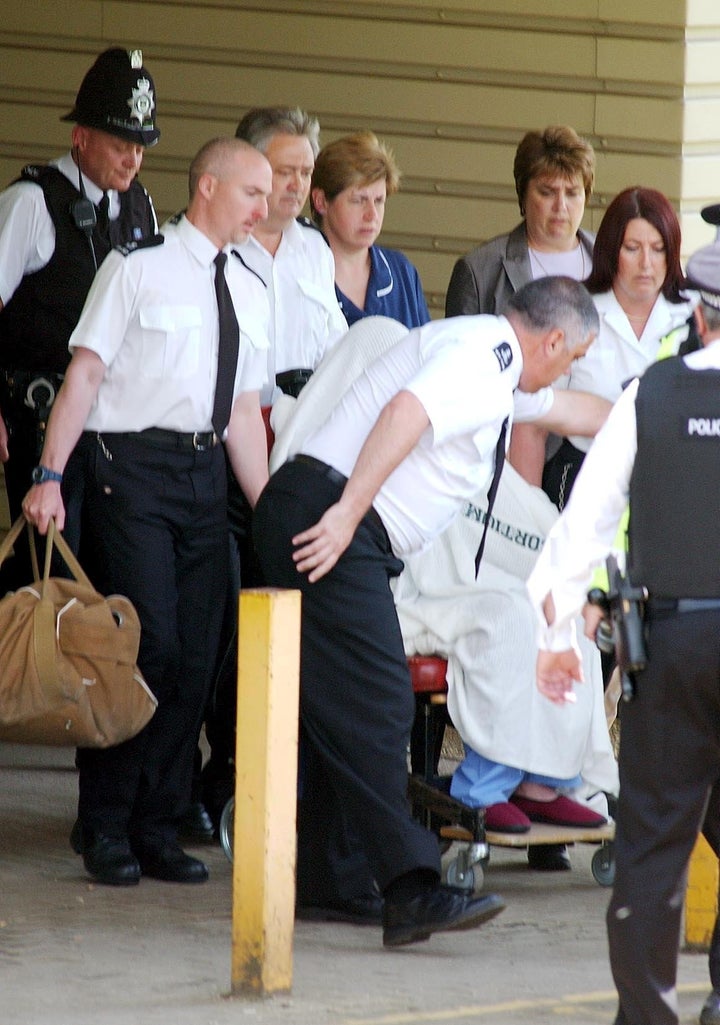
(453, 821)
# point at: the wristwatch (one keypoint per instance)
(41, 474)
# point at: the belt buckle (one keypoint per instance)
(202, 446)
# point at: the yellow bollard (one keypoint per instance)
(701, 898)
(265, 791)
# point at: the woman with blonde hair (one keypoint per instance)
(352, 179)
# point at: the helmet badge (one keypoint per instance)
(141, 103)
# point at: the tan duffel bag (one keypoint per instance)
(68, 673)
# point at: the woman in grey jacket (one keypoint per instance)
(554, 176)
(554, 173)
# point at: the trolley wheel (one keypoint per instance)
(466, 880)
(603, 865)
(227, 826)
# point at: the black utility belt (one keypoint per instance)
(656, 605)
(31, 389)
(292, 382)
(187, 441)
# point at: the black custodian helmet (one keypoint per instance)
(117, 96)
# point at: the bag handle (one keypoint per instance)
(44, 638)
(54, 538)
(11, 537)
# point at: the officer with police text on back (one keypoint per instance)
(660, 448)
(58, 222)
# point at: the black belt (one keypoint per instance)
(337, 478)
(292, 382)
(655, 605)
(33, 389)
(198, 441)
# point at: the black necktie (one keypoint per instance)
(228, 348)
(103, 215)
(499, 463)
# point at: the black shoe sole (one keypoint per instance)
(398, 936)
(312, 913)
(112, 879)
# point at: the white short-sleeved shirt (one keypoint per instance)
(27, 232)
(581, 538)
(464, 371)
(151, 317)
(617, 355)
(305, 316)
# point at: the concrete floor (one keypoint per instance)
(73, 953)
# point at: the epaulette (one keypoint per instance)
(32, 171)
(37, 172)
(176, 218)
(503, 354)
(143, 243)
(306, 222)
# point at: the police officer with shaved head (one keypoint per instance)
(58, 222)
(660, 448)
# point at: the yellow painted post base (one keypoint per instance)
(701, 898)
(265, 792)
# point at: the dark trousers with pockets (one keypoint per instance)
(356, 700)
(669, 762)
(157, 522)
(711, 832)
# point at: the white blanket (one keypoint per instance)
(485, 629)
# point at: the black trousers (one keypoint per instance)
(711, 832)
(356, 700)
(560, 472)
(157, 522)
(669, 763)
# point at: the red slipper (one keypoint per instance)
(560, 812)
(506, 818)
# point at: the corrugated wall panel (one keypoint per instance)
(450, 87)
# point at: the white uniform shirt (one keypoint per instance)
(464, 371)
(27, 233)
(305, 316)
(152, 318)
(581, 538)
(617, 355)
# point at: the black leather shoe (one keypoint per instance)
(439, 910)
(549, 857)
(196, 826)
(110, 860)
(710, 1014)
(171, 864)
(364, 910)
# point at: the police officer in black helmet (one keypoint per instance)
(57, 224)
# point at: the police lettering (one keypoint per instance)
(533, 542)
(703, 427)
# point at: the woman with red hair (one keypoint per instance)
(637, 284)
